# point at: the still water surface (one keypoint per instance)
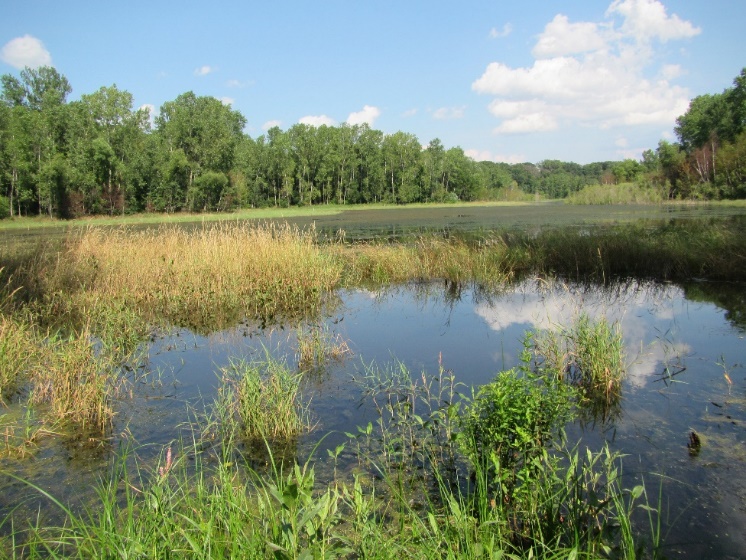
(686, 374)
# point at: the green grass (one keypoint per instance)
(264, 397)
(589, 354)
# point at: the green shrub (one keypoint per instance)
(511, 420)
(4, 207)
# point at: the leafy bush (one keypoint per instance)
(511, 420)
(4, 207)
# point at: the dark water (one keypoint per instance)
(682, 352)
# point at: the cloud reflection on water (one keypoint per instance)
(646, 312)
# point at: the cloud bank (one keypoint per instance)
(592, 73)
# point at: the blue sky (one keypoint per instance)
(582, 81)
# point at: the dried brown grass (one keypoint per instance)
(260, 271)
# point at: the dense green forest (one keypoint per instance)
(98, 155)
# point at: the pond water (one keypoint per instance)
(686, 374)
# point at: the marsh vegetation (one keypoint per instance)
(437, 465)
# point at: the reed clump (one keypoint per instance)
(17, 354)
(78, 380)
(428, 257)
(589, 354)
(317, 345)
(21, 431)
(265, 398)
(174, 273)
(73, 376)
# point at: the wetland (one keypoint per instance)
(386, 329)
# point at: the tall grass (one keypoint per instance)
(675, 251)
(316, 346)
(124, 280)
(17, 349)
(74, 375)
(589, 354)
(265, 397)
(182, 276)
(427, 258)
(78, 379)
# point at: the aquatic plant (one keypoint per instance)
(21, 431)
(316, 345)
(77, 380)
(265, 397)
(18, 352)
(192, 503)
(426, 257)
(589, 354)
(510, 421)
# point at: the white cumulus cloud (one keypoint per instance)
(25, 51)
(227, 101)
(368, 115)
(317, 120)
(560, 37)
(592, 73)
(203, 70)
(487, 155)
(447, 113)
(647, 19)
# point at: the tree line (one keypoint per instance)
(99, 155)
(709, 159)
